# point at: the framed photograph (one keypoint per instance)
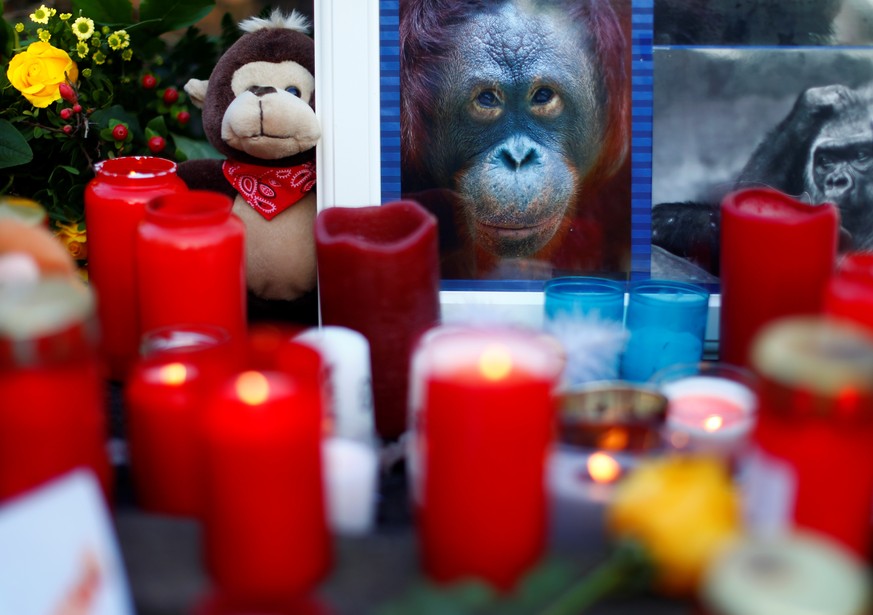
(525, 128)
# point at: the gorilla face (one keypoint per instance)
(518, 124)
(841, 167)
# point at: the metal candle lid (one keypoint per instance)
(45, 321)
(795, 574)
(828, 361)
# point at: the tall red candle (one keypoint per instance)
(812, 467)
(265, 531)
(378, 274)
(485, 408)
(849, 293)
(52, 402)
(777, 255)
(190, 259)
(115, 203)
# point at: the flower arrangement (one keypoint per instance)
(97, 82)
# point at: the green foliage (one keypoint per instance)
(47, 154)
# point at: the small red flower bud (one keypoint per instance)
(77, 108)
(171, 95)
(67, 92)
(157, 144)
(183, 117)
(119, 133)
(148, 81)
(66, 113)
(68, 130)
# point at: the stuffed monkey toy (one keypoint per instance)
(259, 111)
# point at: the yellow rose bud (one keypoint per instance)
(683, 511)
(38, 71)
(73, 239)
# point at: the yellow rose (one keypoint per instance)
(38, 71)
(683, 511)
(73, 239)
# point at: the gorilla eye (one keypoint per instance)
(294, 91)
(542, 96)
(488, 99)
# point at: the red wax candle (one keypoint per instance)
(812, 467)
(485, 407)
(52, 402)
(207, 347)
(163, 400)
(378, 274)
(265, 530)
(849, 292)
(115, 203)
(777, 255)
(191, 264)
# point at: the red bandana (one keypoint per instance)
(270, 190)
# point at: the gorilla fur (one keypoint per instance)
(259, 111)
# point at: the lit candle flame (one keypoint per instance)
(603, 468)
(173, 374)
(495, 362)
(252, 388)
(713, 423)
(613, 439)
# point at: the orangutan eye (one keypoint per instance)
(293, 91)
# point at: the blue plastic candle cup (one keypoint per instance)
(667, 324)
(576, 296)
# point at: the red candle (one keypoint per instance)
(812, 466)
(207, 347)
(163, 402)
(849, 292)
(191, 264)
(777, 255)
(485, 409)
(378, 274)
(265, 532)
(115, 203)
(52, 402)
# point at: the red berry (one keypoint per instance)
(119, 133)
(157, 144)
(148, 81)
(68, 130)
(77, 108)
(67, 92)
(171, 95)
(183, 117)
(66, 113)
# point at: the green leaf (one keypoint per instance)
(194, 150)
(174, 14)
(14, 149)
(119, 12)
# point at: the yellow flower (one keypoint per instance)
(74, 239)
(44, 35)
(99, 58)
(40, 15)
(19, 27)
(86, 72)
(38, 71)
(683, 511)
(83, 28)
(118, 40)
(65, 16)
(82, 49)
(126, 55)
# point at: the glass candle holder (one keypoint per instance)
(666, 321)
(115, 201)
(483, 409)
(578, 296)
(190, 264)
(711, 407)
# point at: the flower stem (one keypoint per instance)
(624, 568)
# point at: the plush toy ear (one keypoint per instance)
(196, 89)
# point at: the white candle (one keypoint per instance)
(350, 475)
(709, 414)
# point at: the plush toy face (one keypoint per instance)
(258, 105)
(270, 116)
